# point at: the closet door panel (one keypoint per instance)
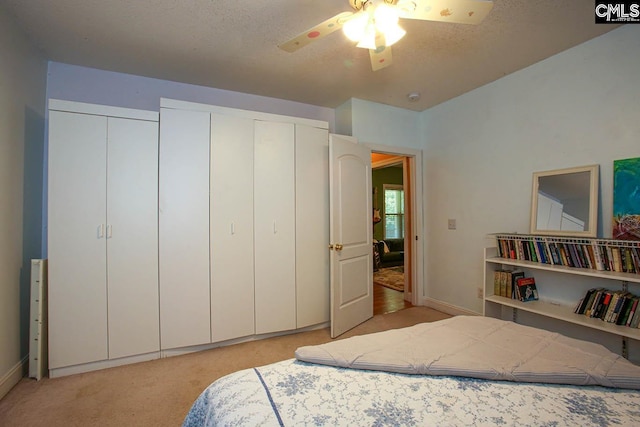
(274, 212)
(184, 228)
(76, 248)
(312, 225)
(232, 286)
(132, 237)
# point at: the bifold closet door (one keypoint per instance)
(232, 282)
(132, 237)
(184, 228)
(274, 218)
(76, 244)
(312, 225)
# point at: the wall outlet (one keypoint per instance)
(480, 293)
(451, 223)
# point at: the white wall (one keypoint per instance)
(22, 94)
(577, 108)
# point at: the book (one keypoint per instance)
(632, 312)
(503, 283)
(587, 300)
(547, 251)
(589, 256)
(611, 306)
(636, 318)
(496, 282)
(619, 307)
(636, 259)
(563, 255)
(617, 259)
(515, 275)
(597, 255)
(555, 253)
(625, 310)
(527, 289)
(609, 258)
(536, 252)
(603, 305)
(596, 301)
(629, 260)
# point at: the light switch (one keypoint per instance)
(452, 224)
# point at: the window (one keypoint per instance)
(393, 211)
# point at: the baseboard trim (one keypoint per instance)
(449, 308)
(13, 377)
(102, 364)
(172, 352)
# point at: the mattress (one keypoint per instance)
(295, 393)
(456, 372)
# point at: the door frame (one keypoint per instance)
(417, 240)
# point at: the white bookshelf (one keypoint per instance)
(550, 305)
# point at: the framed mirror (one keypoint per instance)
(564, 202)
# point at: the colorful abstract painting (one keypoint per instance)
(626, 199)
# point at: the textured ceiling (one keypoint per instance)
(231, 44)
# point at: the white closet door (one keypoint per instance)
(132, 237)
(184, 228)
(312, 225)
(232, 286)
(76, 248)
(274, 213)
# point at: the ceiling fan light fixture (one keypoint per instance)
(393, 34)
(356, 27)
(385, 16)
(368, 40)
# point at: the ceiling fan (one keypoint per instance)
(374, 24)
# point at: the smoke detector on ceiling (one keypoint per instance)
(413, 96)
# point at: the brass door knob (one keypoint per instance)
(338, 247)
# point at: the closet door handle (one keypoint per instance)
(275, 227)
(109, 231)
(100, 231)
(233, 228)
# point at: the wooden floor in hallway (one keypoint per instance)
(387, 300)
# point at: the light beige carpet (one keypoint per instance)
(161, 392)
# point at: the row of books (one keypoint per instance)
(576, 253)
(618, 307)
(513, 284)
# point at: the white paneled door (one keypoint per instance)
(274, 221)
(76, 248)
(184, 228)
(132, 237)
(312, 225)
(351, 233)
(103, 245)
(232, 283)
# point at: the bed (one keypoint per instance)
(461, 371)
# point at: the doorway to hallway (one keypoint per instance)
(392, 223)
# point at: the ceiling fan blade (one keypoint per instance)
(325, 28)
(380, 57)
(453, 11)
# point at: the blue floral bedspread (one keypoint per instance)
(294, 393)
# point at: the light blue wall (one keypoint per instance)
(74, 83)
(385, 125)
(22, 101)
(577, 108)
